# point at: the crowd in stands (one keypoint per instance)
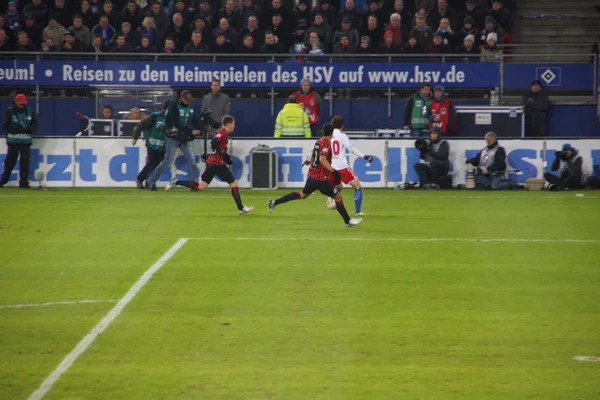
(465, 27)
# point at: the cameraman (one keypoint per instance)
(492, 165)
(154, 136)
(435, 155)
(569, 164)
(179, 120)
(19, 123)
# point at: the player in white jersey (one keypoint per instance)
(339, 143)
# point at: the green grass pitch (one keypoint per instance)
(278, 317)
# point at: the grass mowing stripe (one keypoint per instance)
(104, 323)
(56, 303)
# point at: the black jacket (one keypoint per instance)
(499, 164)
(573, 168)
(16, 110)
(441, 155)
(536, 107)
(191, 48)
(174, 121)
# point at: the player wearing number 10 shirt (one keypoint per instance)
(320, 178)
(339, 143)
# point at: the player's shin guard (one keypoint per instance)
(287, 197)
(339, 204)
(235, 192)
(358, 196)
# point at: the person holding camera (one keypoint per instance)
(19, 123)
(569, 164)
(218, 103)
(492, 165)
(154, 136)
(435, 153)
(179, 122)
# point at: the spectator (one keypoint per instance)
(96, 6)
(247, 10)
(320, 28)
(195, 45)
(310, 101)
(491, 52)
(491, 27)
(400, 9)
(247, 46)
(301, 21)
(200, 25)
(426, 5)
(82, 32)
(10, 33)
(312, 37)
(275, 8)
(5, 44)
(418, 110)
(395, 26)
(135, 114)
(447, 34)
(23, 43)
(121, 45)
(132, 14)
(328, 12)
(271, 46)
(181, 8)
(33, 30)
(161, 21)
(421, 12)
(231, 15)
(146, 46)
(107, 112)
(221, 45)
(258, 35)
(365, 46)
(148, 29)
(132, 38)
(224, 27)
(64, 15)
(38, 11)
(373, 32)
(388, 46)
(438, 46)
(469, 49)
(46, 48)
(468, 28)
(502, 16)
(536, 110)
(170, 47)
(96, 46)
(205, 12)
(344, 46)
(413, 47)
(350, 12)
(472, 11)
(85, 12)
(13, 16)
(422, 33)
(348, 30)
(217, 102)
(316, 48)
(373, 10)
(54, 30)
(71, 43)
(281, 32)
(443, 112)
(569, 164)
(105, 31)
(114, 18)
(178, 31)
(443, 11)
(52, 44)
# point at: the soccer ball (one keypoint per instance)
(330, 203)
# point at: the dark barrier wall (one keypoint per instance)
(57, 116)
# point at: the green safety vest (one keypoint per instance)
(420, 112)
(155, 137)
(185, 114)
(20, 120)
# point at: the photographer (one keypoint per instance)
(217, 102)
(492, 165)
(179, 120)
(569, 164)
(435, 155)
(19, 123)
(154, 136)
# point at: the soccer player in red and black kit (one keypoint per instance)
(215, 165)
(319, 178)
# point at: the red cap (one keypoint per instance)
(21, 99)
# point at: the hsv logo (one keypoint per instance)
(549, 75)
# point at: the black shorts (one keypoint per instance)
(325, 187)
(221, 171)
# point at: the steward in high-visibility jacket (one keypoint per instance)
(292, 121)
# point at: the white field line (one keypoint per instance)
(104, 323)
(56, 303)
(355, 239)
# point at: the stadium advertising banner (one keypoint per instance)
(99, 162)
(552, 76)
(246, 75)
